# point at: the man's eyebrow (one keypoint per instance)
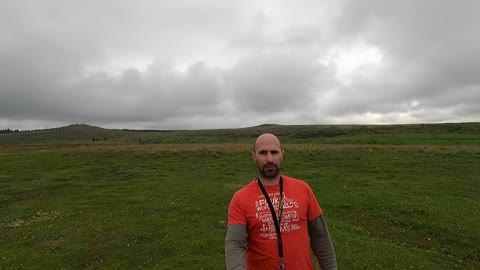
(265, 150)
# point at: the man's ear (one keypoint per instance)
(253, 155)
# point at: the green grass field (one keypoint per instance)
(165, 206)
(455, 134)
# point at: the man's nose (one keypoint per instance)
(269, 157)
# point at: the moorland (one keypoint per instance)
(85, 197)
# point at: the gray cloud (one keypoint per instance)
(269, 83)
(178, 64)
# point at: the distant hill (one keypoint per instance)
(78, 128)
(409, 134)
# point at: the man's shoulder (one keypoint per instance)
(247, 188)
(296, 183)
(246, 193)
(292, 180)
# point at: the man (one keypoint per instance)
(275, 219)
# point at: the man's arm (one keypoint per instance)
(235, 246)
(321, 243)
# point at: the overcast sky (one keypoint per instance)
(182, 64)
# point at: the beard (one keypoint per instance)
(269, 171)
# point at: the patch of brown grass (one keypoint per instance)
(39, 216)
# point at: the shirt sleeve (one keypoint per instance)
(321, 243)
(236, 214)
(235, 247)
(314, 209)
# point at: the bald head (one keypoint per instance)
(267, 139)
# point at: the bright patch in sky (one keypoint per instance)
(357, 60)
(116, 68)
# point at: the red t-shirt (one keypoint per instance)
(249, 207)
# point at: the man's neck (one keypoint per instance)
(269, 181)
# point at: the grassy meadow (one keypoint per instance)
(455, 134)
(164, 206)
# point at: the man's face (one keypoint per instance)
(269, 157)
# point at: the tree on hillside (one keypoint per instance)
(9, 130)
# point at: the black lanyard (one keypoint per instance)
(274, 216)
